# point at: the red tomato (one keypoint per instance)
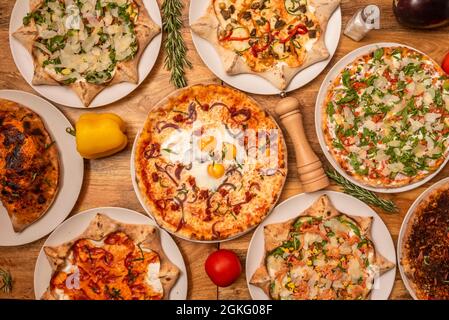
(223, 267)
(445, 63)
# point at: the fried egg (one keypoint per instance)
(210, 154)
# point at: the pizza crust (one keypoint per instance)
(126, 71)
(147, 235)
(279, 75)
(276, 234)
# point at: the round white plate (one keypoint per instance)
(71, 176)
(62, 94)
(404, 225)
(333, 73)
(76, 225)
(293, 206)
(252, 83)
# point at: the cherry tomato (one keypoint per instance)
(445, 63)
(223, 267)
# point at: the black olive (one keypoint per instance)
(312, 34)
(279, 24)
(232, 9)
(309, 23)
(253, 33)
(260, 22)
(226, 14)
(247, 15)
(303, 8)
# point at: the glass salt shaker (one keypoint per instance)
(363, 21)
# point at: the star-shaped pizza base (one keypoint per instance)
(324, 247)
(236, 61)
(125, 71)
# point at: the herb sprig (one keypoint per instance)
(176, 58)
(6, 281)
(362, 194)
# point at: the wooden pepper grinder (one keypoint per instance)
(310, 168)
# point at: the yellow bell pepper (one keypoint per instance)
(100, 135)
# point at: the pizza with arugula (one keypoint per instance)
(385, 117)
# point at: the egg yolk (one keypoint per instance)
(207, 144)
(230, 151)
(216, 170)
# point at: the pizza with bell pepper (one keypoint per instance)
(86, 44)
(322, 254)
(272, 38)
(111, 260)
(385, 117)
(210, 163)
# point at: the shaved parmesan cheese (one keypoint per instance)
(431, 117)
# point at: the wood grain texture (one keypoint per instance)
(108, 182)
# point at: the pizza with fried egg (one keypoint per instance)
(274, 39)
(385, 117)
(86, 44)
(29, 165)
(320, 255)
(111, 260)
(210, 163)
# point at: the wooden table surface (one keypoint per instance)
(107, 182)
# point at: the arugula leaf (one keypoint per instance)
(378, 54)
(411, 69)
(351, 95)
(346, 79)
(330, 109)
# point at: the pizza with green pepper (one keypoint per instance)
(272, 38)
(86, 44)
(385, 117)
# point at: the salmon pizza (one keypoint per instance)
(322, 254)
(274, 39)
(29, 165)
(210, 163)
(385, 117)
(111, 260)
(86, 44)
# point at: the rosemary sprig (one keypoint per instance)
(6, 281)
(176, 58)
(361, 193)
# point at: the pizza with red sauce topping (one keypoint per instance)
(111, 261)
(274, 39)
(210, 163)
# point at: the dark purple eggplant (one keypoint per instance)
(424, 14)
